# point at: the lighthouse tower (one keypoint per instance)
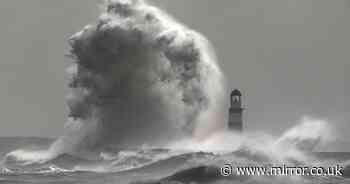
(235, 121)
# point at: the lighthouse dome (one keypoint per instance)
(236, 92)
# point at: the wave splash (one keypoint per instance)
(292, 145)
(194, 160)
(139, 76)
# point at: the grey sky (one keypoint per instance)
(290, 58)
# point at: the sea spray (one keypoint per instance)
(307, 135)
(310, 134)
(139, 76)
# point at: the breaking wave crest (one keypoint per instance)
(293, 146)
(147, 97)
(139, 76)
(194, 160)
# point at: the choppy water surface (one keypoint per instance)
(146, 106)
(148, 165)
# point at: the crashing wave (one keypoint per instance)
(139, 76)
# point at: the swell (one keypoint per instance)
(175, 166)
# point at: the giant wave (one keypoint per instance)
(146, 107)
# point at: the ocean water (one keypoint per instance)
(148, 165)
(146, 107)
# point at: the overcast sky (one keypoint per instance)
(290, 58)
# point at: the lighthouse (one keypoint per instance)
(235, 121)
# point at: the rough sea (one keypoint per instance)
(21, 164)
(146, 106)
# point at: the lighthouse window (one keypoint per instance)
(235, 99)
